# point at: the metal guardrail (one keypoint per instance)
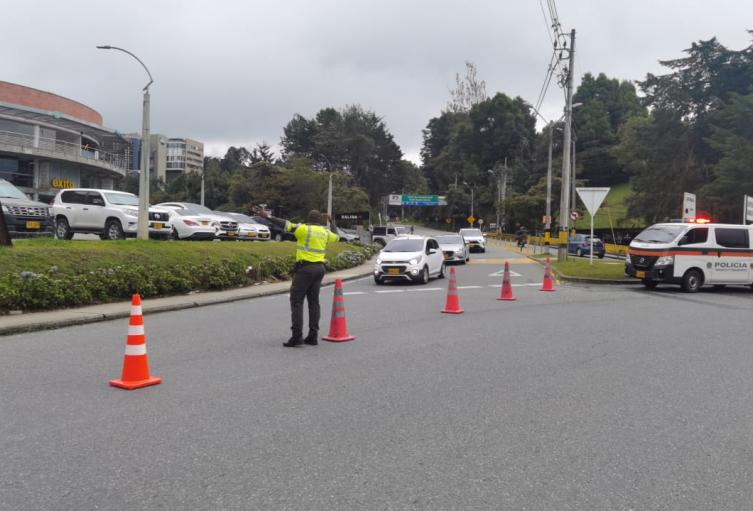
(60, 147)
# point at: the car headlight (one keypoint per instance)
(460, 251)
(413, 262)
(5, 209)
(131, 212)
(379, 260)
(665, 261)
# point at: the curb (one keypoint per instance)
(32, 322)
(586, 280)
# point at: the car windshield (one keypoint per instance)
(659, 234)
(238, 216)
(185, 212)
(470, 232)
(8, 191)
(122, 199)
(196, 208)
(450, 240)
(403, 245)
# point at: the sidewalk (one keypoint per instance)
(47, 320)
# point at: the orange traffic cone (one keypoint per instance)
(338, 329)
(506, 294)
(135, 364)
(452, 306)
(547, 285)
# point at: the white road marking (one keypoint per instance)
(390, 291)
(516, 285)
(501, 273)
(470, 287)
(354, 293)
(426, 289)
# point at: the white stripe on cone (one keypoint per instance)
(135, 329)
(136, 310)
(134, 350)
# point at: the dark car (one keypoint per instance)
(25, 218)
(277, 233)
(580, 244)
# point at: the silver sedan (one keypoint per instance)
(454, 248)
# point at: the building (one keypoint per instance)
(48, 142)
(183, 156)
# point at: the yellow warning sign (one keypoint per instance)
(471, 219)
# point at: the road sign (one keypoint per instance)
(546, 219)
(574, 215)
(420, 200)
(592, 198)
(492, 225)
(396, 200)
(471, 219)
(688, 206)
(481, 221)
(448, 220)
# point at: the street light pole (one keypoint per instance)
(142, 232)
(566, 173)
(548, 226)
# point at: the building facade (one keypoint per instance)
(48, 142)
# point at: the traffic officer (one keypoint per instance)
(312, 239)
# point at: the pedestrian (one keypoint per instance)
(411, 229)
(522, 235)
(312, 239)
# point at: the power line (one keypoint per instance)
(546, 23)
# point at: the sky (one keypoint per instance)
(234, 72)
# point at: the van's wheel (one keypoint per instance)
(692, 281)
(113, 230)
(173, 236)
(650, 284)
(63, 229)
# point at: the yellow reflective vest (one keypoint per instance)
(311, 241)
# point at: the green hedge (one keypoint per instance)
(162, 275)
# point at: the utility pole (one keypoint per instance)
(4, 234)
(565, 193)
(548, 226)
(574, 172)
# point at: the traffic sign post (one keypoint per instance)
(471, 219)
(592, 198)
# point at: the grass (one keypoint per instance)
(613, 212)
(74, 257)
(580, 267)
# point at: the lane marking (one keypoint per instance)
(516, 285)
(501, 273)
(425, 289)
(496, 261)
(354, 293)
(470, 287)
(390, 291)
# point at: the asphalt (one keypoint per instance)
(590, 397)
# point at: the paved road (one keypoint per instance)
(587, 398)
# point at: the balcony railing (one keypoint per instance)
(65, 149)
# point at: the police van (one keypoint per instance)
(691, 255)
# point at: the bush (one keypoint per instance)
(157, 277)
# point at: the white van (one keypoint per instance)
(691, 255)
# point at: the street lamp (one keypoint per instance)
(142, 232)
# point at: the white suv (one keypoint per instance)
(111, 214)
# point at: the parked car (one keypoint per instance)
(347, 236)
(277, 233)
(228, 227)
(409, 258)
(580, 244)
(24, 217)
(454, 248)
(474, 239)
(248, 229)
(188, 225)
(111, 214)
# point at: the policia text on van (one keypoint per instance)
(692, 255)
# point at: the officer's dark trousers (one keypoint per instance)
(306, 283)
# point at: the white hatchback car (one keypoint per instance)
(409, 258)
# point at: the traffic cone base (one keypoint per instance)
(338, 328)
(452, 305)
(135, 364)
(130, 385)
(506, 294)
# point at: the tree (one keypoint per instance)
(468, 92)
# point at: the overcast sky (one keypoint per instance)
(234, 72)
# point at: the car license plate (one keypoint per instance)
(446, 256)
(393, 271)
(231, 233)
(31, 224)
(158, 226)
(204, 222)
(640, 274)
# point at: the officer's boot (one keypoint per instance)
(295, 340)
(312, 339)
